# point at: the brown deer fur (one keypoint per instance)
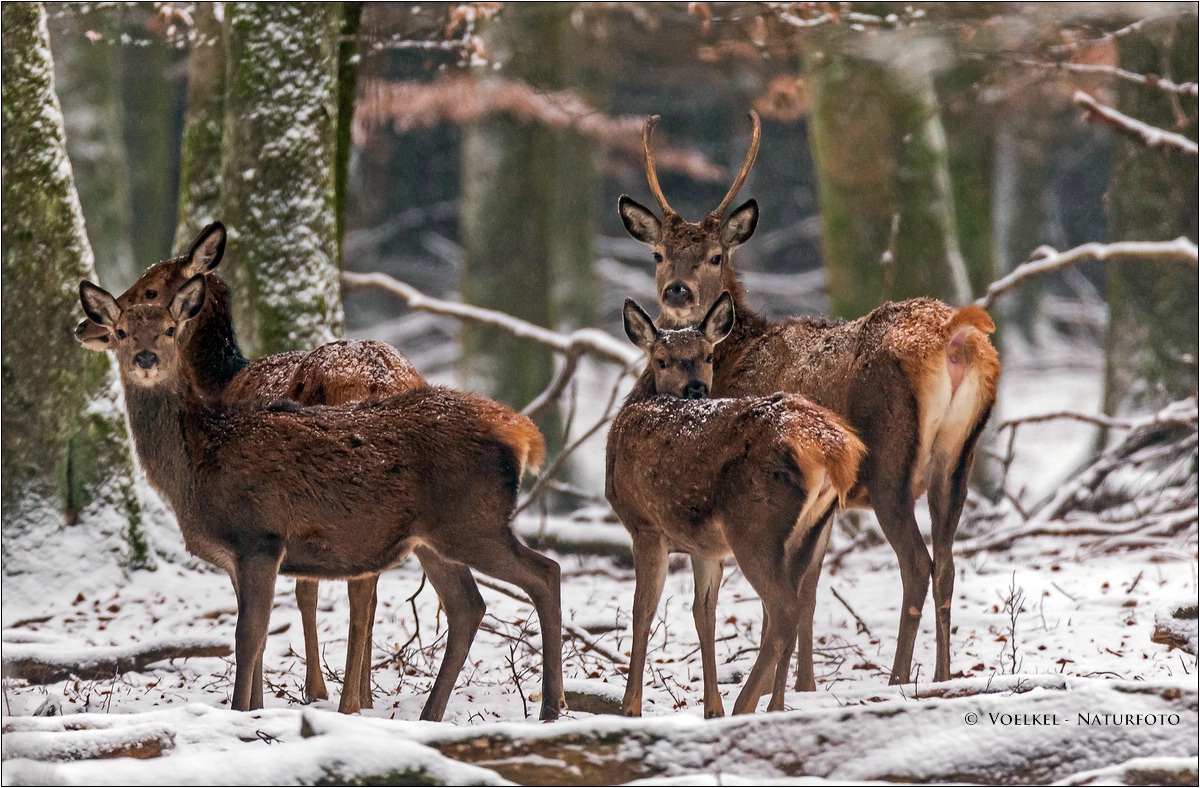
(752, 477)
(327, 492)
(915, 379)
(336, 373)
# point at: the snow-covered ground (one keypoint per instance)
(1060, 613)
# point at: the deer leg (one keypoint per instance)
(707, 573)
(806, 680)
(538, 576)
(464, 611)
(255, 584)
(947, 495)
(364, 692)
(306, 601)
(650, 573)
(779, 634)
(899, 525)
(360, 591)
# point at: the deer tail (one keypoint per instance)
(521, 435)
(962, 349)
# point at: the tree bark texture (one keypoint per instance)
(66, 461)
(278, 164)
(200, 151)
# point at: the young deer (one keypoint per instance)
(329, 491)
(753, 477)
(916, 380)
(334, 374)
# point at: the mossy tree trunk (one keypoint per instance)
(200, 151)
(528, 212)
(1152, 341)
(87, 77)
(67, 465)
(278, 193)
(880, 152)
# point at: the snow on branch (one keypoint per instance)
(459, 100)
(1150, 136)
(1046, 259)
(46, 663)
(147, 740)
(585, 340)
(1148, 80)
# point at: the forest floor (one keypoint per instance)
(1054, 626)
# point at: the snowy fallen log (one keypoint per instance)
(136, 741)
(1176, 625)
(46, 663)
(1037, 736)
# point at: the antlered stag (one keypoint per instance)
(916, 380)
(333, 374)
(752, 477)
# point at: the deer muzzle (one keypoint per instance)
(695, 390)
(677, 295)
(146, 359)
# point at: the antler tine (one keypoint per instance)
(746, 165)
(651, 171)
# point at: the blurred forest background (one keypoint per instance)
(476, 152)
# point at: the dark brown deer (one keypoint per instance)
(916, 380)
(752, 477)
(329, 491)
(336, 373)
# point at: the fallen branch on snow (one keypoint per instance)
(43, 663)
(150, 740)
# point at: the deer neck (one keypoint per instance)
(158, 420)
(213, 352)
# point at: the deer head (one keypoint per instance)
(681, 359)
(160, 283)
(144, 336)
(691, 258)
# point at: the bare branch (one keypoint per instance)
(552, 392)
(1150, 136)
(1046, 259)
(1149, 80)
(585, 340)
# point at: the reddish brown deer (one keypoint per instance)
(337, 373)
(328, 491)
(916, 380)
(752, 477)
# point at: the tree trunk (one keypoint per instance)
(68, 490)
(278, 173)
(200, 152)
(87, 77)
(883, 178)
(1152, 342)
(528, 214)
(347, 92)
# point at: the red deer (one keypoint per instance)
(327, 491)
(336, 373)
(916, 380)
(752, 477)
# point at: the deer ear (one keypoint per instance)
(739, 225)
(640, 221)
(638, 325)
(188, 302)
(717, 324)
(92, 335)
(98, 304)
(206, 251)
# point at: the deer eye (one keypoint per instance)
(171, 331)
(708, 360)
(662, 364)
(658, 258)
(121, 334)
(151, 294)
(716, 260)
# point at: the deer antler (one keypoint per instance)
(746, 165)
(651, 171)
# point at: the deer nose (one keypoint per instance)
(677, 295)
(695, 390)
(145, 359)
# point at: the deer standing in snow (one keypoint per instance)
(336, 373)
(916, 380)
(330, 491)
(752, 477)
